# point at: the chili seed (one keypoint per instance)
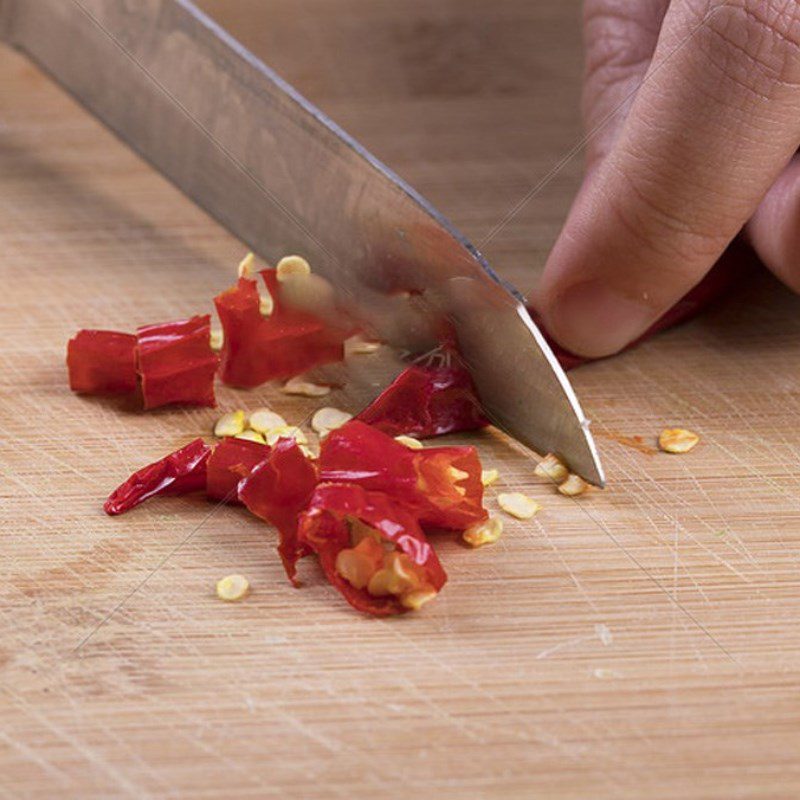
(246, 266)
(264, 420)
(286, 432)
(677, 440)
(573, 486)
(230, 424)
(481, 533)
(417, 598)
(292, 266)
(303, 388)
(329, 419)
(251, 436)
(232, 588)
(518, 505)
(552, 468)
(410, 442)
(216, 339)
(489, 476)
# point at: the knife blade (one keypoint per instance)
(282, 177)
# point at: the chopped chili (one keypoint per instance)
(102, 362)
(277, 490)
(347, 526)
(259, 348)
(181, 472)
(176, 363)
(441, 486)
(427, 401)
(230, 461)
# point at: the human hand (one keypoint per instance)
(704, 144)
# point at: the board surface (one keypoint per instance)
(643, 641)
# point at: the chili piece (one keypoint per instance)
(181, 472)
(277, 490)
(102, 362)
(427, 401)
(258, 348)
(176, 363)
(371, 549)
(231, 460)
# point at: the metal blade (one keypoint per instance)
(283, 178)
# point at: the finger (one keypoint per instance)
(620, 37)
(708, 133)
(774, 230)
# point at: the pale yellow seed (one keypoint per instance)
(230, 424)
(246, 266)
(292, 266)
(265, 419)
(329, 419)
(384, 582)
(489, 476)
(518, 505)
(414, 600)
(573, 486)
(552, 468)
(251, 436)
(303, 388)
(356, 568)
(232, 588)
(216, 339)
(481, 533)
(286, 432)
(677, 440)
(265, 304)
(410, 442)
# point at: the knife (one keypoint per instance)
(282, 177)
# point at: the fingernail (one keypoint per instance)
(592, 320)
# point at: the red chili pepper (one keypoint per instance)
(181, 472)
(277, 490)
(427, 401)
(102, 362)
(176, 362)
(257, 349)
(231, 460)
(734, 265)
(325, 528)
(441, 486)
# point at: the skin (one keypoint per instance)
(701, 105)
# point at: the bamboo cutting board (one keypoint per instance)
(643, 641)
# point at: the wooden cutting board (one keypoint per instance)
(643, 641)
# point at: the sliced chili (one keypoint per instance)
(176, 363)
(345, 518)
(102, 362)
(441, 486)
(231, 460)
(277, 490)
(258, 348)
(181, 472)
(427, 401)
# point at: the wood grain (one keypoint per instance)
(639, 642)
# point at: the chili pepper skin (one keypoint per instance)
(102, 362)
(181, 472)
(426, 401)
(286, 343)
(230, 461)
(176, 363)
(427, 482)
(277, 490)
(323, 528)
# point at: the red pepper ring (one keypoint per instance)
(336, 511)
(181, 472)
(427, 401)
(440, 485)
(102, 362)
(277, 490)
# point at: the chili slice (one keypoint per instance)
(441, 486)
(176, 363)
(181, 472)
(427, 401)
(230, 461)
(277, 490)
(346, 519)
(102, 362)
(258, 348)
